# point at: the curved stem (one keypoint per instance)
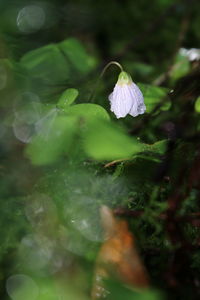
(109, 64)
(101, 75)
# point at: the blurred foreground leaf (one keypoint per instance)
(46, 63)
(55, 65)
(54, 139)
(56, 131)
(105, 141)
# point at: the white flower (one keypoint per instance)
(126, 97)
(192, 54)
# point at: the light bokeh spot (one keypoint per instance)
(27, 111)
(22, 131)
(30, 18)
(21, 287)
(27, 107)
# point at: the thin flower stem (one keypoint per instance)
(108, 65)
(93, 94)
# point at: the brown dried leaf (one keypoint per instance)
(118, 257)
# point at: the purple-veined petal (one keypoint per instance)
(121, 101)
(126, 97)
(138, 101)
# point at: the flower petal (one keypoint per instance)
(138, 101)
(126, 97)
(121, 100)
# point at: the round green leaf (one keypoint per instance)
(88, 111)
(67, 98)
(106, 141)
(52, 140)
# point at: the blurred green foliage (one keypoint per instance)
(64, 154)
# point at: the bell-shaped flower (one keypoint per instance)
(126, 97)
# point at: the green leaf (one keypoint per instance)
(88, 111)
(106, 141)
(180, 68)
(50, 291)
(11, 80)
(153, 95)
(197, 105)
(158, 147)
(53, 60)
(67, 98)
(119, 291)
(54, 139)
(46, 63)
(77, 55)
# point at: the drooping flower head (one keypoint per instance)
(126, 97)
